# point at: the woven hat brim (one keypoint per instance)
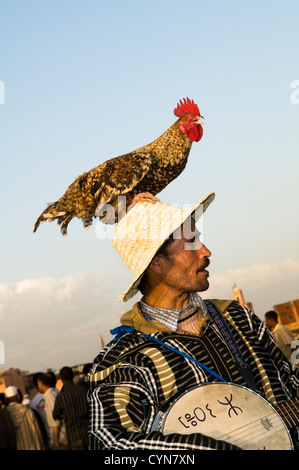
(193, 209)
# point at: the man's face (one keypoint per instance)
(270, 323)
(40, 386)
(184, 269)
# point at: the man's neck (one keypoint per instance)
(167, 299)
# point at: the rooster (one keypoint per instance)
(108, 190)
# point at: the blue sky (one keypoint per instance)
(87, 81)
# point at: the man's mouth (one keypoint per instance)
(203, 269)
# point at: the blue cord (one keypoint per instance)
(186, 356)
(121, 330)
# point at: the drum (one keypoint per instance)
(227, 412)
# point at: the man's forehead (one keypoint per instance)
(187, 230)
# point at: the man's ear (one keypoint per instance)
(155, 264)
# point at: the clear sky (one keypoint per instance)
(81, 82)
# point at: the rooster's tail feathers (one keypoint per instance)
(52, 213)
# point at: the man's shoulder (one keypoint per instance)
(75, 390)
(283, 329)
(221, 304)
(122, 343)
(233, 308)
(51, 393)
(279, 326)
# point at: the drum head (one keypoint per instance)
(227, 412)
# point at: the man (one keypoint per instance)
(55, 434)
(283, 335)
(37, 401)
(134, 376)
(37, 404)
(28, 435)
(71, 405)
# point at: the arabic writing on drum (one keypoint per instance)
(209, 411)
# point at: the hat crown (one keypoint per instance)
(143, 230)
(11, 391)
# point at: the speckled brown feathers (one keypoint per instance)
(106, 190)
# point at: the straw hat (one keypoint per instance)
(143, 230)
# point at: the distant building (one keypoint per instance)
(288, 314)
(12, 377)
(238, 296)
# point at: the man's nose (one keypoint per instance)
(205, 252)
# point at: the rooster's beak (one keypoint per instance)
(198, 120)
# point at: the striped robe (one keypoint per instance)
(28, 434)
(133, 377)
(71, 404)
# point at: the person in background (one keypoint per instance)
(53, 426)
(282, 335)
(26, 400)
(37, 402)
(85, 371)
(28, 435)
(8, 440)
(71, 406)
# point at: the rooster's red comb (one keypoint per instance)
(186, 106)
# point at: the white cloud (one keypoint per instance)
(50, 322)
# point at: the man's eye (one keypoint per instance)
(194, 244)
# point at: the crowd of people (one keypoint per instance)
(52, 419)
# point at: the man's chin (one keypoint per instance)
(201, 287)
(206, 287)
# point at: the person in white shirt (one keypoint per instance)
(53, 427)
(282, 335)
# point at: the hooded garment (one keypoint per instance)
(28, 432)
